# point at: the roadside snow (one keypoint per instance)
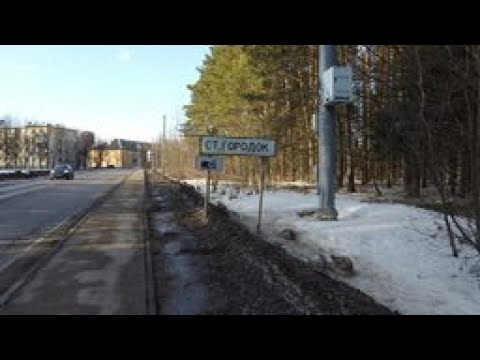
(401, 253)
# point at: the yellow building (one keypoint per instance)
(118, 158)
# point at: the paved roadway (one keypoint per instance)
(100, 269)
(30, 208)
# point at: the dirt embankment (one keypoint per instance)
(217, 266)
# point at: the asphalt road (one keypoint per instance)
(29, 209)
(99, 269)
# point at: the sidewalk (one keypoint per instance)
(100, 269)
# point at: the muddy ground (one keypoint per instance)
(219, 267)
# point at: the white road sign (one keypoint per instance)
(215, 145)
(212, 163)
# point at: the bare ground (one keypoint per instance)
(217, 266)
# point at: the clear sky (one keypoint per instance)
(115, 91)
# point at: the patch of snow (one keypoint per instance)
(401, 256)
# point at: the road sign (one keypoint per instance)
(215, 145)
(212, 163)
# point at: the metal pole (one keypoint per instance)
(326, 142)
(207, 194)
(164, 147)
(159, 154)
(262, 187)
(158, 148)
(155, 155)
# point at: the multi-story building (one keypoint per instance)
(106, 157)
(86, 141)
(9, 146)
(119, 153)
(38, 146)
(33, 148)
(63, 145)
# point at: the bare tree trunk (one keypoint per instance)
(365, 121)
(374, 178)
(465, 173)
(350, 152)
(453, 174)
(389, 170)
(476, 153)
(424, 171)
(450, 235)
(436, 172)
(340, 151)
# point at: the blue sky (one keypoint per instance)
(115, 91)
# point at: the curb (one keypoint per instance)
(151, 294)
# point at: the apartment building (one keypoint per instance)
(120, 153)
(106, 157)
(86, 142)
(37, 146)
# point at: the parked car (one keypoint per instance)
(62, 172)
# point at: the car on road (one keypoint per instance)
(62, 172)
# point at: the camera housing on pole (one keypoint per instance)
(338, 85)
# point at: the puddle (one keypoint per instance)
(164, 224)
(164, 230)
(187, 295)
(159, 199)
(164, 217)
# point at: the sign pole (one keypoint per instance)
(207, 194)
(262, 187)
